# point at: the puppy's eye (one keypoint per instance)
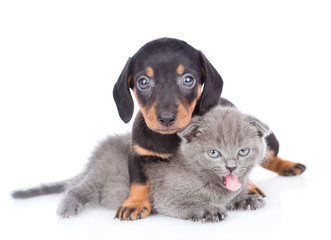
(213, 153)
(188, 81)
(144, 83)
(243, 152)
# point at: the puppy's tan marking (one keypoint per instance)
(199, 92)
(149, 72)
(180, 69)
(185, 111)
(143, 151)
(149, 113)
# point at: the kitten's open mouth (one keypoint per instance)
(231, 182)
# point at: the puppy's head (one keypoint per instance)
(167, 77)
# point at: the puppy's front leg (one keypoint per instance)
(147, 146)
(137, 205)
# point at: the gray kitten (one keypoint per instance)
(206, 176)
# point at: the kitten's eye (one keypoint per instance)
(213, 153)
(244, 152)
(143, 83)
(188, 81)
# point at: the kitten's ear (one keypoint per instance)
(191, 131)
(262, 128)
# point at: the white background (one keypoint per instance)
(60, 59)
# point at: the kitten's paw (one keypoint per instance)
(209, 217)
(251, 202)
(69, 208)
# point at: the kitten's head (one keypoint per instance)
(224, 144)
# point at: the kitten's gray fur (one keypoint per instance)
(189, 186)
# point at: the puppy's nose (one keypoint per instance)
(231, 169)
(166, 119)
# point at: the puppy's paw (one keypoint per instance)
(292, 169)
(69, 208)
(255, 190)
(251, 202)
(133, 210)
(137, 206)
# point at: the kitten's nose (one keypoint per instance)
(231, 169)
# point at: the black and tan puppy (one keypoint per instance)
(171, 81)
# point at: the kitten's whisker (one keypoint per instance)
(241, 170)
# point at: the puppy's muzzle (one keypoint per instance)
(167, 119)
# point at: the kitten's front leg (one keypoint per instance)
(209, 217)
(202, 212)
(70, 206)
(246, 201)
(82, 193)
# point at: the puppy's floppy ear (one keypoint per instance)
(122, 95)
(262, 128)
(213, 85)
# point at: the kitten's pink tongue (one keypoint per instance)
(232, 183)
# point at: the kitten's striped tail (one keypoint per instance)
(44, 189)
